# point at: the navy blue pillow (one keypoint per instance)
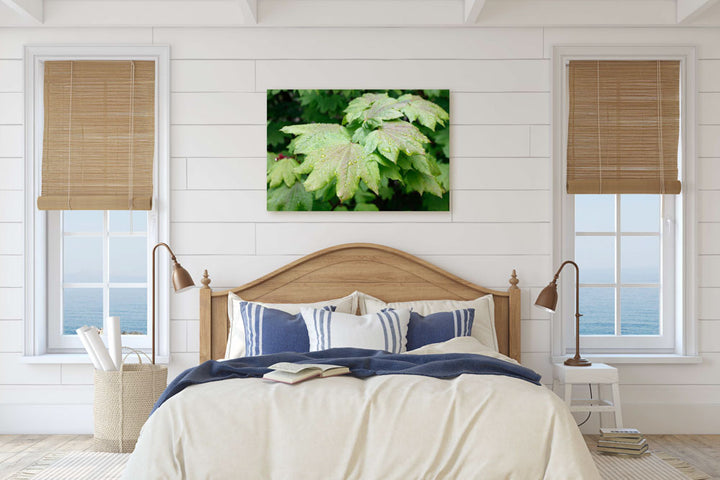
(268, 330)
(439, 327)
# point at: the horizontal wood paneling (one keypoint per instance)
(11, 108)
(217, 238)
(226, 173)
(12, 173)
(458, 75)
(212, 75)
(12, 239)
(501, 206)
(415, 238)
(501, 178)
(500, 108)
(219, 108)
(347, 43)
(469, 173)
(13, 40)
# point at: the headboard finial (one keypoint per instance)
(514, 279)
(205, 280)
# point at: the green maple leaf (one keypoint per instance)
(424, 111)
(284, 198)
(395, 137)
(313, 136)
(373, 109)
(282, 170)
(420, 182)
(424, 164)
(347, 163)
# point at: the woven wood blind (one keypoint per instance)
(624, 127)
(99, 135)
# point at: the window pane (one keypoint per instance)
(597, 306)
(130, 304)
(594, 213)
(128, 259)
(640, 213)
(119, 221)
(139, 221)
(88, 221)
(640, 311)
(82, 306)
(82, 260)
(596, 258)
(640, 260)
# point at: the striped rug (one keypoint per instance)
(75, 466)
(110, 466)
(651, 466)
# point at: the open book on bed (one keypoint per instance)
(292, 373)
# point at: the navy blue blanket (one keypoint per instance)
(362, 363)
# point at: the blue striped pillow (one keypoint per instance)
(439, 327)
(273, 331)
(377, 331)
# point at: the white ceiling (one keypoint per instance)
(347, 13)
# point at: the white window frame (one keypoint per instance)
(37, 280)
(678, 225)
(56, 340)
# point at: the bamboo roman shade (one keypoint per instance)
(624, 126)
(99, 135)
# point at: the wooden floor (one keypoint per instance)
(700, 451)
(19, 451)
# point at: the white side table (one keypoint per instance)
(597, 373)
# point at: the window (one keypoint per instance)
(98, 267)
(635, 250)
(626, 285)
(85, 265)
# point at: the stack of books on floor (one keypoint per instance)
(624, 441)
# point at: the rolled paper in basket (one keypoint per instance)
(91, 353)
(114, 341)
(96, 343)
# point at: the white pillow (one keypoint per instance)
(483, 325)
(236, 337)
(460, 345)
(377, 331)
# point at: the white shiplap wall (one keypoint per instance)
(501, 186)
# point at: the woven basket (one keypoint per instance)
(123, 402)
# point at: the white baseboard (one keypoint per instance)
(661, 418)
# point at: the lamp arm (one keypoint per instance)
(163, 244)
(172, 255)
(577, 283)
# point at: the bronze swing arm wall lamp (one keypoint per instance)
(547, 300)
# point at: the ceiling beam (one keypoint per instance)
(32, 9)
(249, 10)
(472, 10)
(691, 9)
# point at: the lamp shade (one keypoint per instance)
(181, 279)
(547, 300)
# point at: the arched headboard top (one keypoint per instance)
(383, 272)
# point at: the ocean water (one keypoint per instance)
(83, 306)
(640, 311)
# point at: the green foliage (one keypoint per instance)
(358, 150)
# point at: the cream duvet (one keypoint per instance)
(382, 427)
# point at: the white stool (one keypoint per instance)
(597, 373)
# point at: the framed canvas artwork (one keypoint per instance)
(358, 150)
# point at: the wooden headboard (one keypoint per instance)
(383, 272)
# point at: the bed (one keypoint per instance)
(384, 426)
